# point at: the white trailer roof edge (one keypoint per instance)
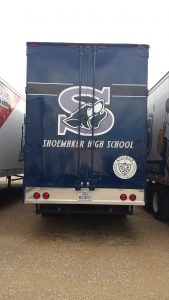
(158, 83)
(11, 88)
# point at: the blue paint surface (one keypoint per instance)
(67, 167)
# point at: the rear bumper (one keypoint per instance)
(100, 196)
(84, 209)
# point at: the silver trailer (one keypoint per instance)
(12, 109)
(158, 149)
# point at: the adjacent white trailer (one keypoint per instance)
(158, 149)
(12, 109)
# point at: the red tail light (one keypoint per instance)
(46, 195)
(123, 197)
(132, 197)
(36, 195)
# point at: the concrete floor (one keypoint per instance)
(80, 257)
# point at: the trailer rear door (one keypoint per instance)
(86, 116)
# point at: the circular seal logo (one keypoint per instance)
(124, 167)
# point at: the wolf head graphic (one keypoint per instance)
(88, 116)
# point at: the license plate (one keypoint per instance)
(84, 195)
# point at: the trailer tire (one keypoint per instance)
(158, 204)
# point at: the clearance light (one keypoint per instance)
(36, 195)
(102, 46)
(73, 46)
(132, 197)
(34, 45)
(123, 197)
(45, 195)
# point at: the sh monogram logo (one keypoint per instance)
(90, 116)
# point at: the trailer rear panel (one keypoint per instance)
(86, 123)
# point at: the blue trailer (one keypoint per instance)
(85, 141)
